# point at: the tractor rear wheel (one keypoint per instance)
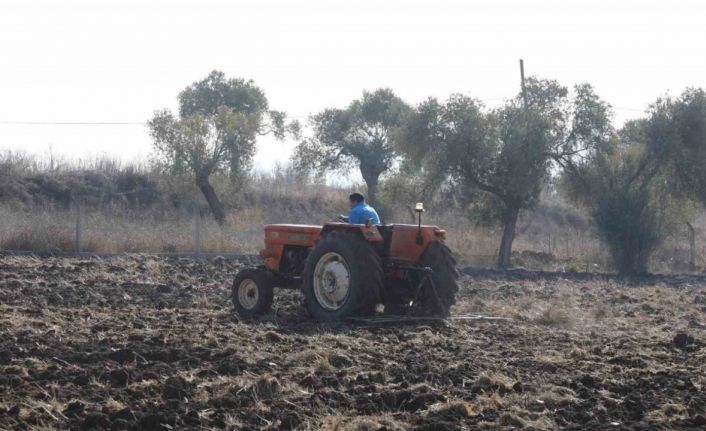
(343, 277)
(437, 300)
(253, 290)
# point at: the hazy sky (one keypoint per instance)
(118, 61)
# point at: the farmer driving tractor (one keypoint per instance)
(360, 212)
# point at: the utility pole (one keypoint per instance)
(522, 77)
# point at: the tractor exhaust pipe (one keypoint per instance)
(419, 209)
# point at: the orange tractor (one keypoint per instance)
(348, 270)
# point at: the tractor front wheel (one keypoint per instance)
(343, 277)
(253, 290)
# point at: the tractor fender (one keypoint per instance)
(370, 233)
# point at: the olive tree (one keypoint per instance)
(676, 130)
(676, 135)
(501, 158)
(216, 130)
(360, 134)
(501, 153)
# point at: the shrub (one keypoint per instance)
(629, 224)
(625, 188)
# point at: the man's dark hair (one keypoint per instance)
(356, 197)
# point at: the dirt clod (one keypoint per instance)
(340, 360)
(74, 409)
(272, 337)
(175, 388)
(122, 356)
(267, 387)
(682, 340)
(95, 421)
(119, 377)
(699, 420)
(154, 422)
(509, 419)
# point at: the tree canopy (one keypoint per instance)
(501, 158)
(675, 132)
(216, 130)
(360, 134)
(501, 153)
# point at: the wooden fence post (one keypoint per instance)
(692, 247)
(549, 242)
(197, 234)
(77, 239)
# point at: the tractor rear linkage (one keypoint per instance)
(426, 275)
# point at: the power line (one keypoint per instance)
(75, 123)
(621, 108)
(93, 123)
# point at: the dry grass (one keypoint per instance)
(114, 405)
(554, 315)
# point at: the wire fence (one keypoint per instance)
(85, 231)
(79, 232)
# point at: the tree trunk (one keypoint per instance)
(412, 214)
(214, 203)
(371, 181)
(509, 224)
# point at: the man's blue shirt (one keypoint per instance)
(361, 212)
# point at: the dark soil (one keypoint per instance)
(143, 343)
